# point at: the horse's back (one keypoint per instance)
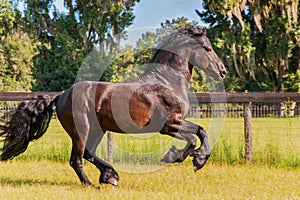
(89, 104)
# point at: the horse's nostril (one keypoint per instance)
(223, 74)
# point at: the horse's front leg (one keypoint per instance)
(179, 155)
(201, 154)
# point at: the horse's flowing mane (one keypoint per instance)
(171, 39)
(165, 54)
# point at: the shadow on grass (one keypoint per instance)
(32, 182)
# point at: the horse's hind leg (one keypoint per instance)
(79, 137)
(108, 174)
(179, 155)
(76, 160)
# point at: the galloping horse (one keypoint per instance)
(156, 102)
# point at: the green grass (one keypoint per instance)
(276, 142)
(43, 172)
(54, 180)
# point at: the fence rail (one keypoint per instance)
(246, 105)
(255, 97)
(22, 96)
(201, 97)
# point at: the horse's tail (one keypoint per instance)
(29, 122)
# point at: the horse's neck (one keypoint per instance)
(174, 71)
(165, 76)
(177, 80)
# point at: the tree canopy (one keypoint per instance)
(58, 41)
(16, 51)
(260, 42)
(42, 48)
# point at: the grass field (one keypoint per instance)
(53, 180)
(276, 142)
(43, 172)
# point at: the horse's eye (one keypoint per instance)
(207, 48)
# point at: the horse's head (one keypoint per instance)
(202, 54)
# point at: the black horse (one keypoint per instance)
(156, 102)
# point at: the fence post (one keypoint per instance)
(248, 130)
(110, 146)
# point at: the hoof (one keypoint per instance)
(109, 177)
(199, 162)
(113, 181)
(171, 156)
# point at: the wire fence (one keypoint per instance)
(208, 110)
(236, 110)
(275, 138)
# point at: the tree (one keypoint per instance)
(100, 21)
(66, 39)
(16, 51)
(59, 59)
(261, 10)
(259, 40)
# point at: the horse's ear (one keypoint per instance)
(202, 33)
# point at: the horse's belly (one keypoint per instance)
(123, 117)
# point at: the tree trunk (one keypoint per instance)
(281, 73)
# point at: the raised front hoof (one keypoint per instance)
(109, 177)
(199, 162)
(172, 156)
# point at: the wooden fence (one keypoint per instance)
(284, 104)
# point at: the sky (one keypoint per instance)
(151, 13)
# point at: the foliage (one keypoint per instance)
(58, 61)
(177, 23)
(66, 39)
(16, 51)
(259, 48)
(131, 61)
(43, 48)
(291, 82)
